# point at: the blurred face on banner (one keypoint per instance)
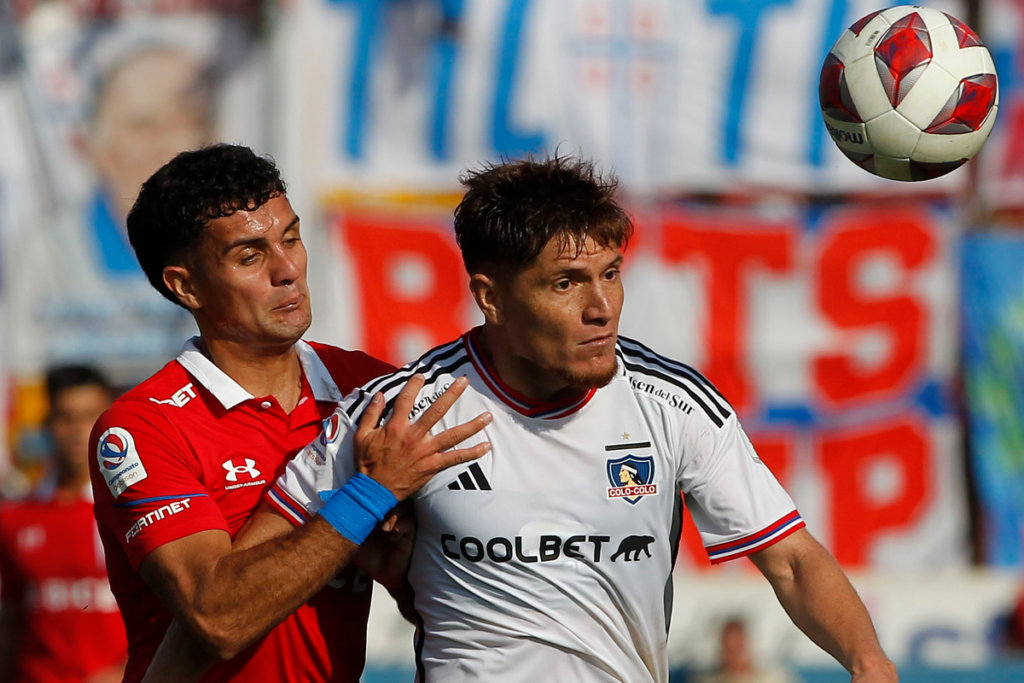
(246, 281)
(72, 415)
(152, 105)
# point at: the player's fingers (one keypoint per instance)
(442, 461)
(445, 401)
(453, 436)
(406, 398)
(371, 416)
(401, 515)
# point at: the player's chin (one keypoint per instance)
(289, 325)
(591, 374)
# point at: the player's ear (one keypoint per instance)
(485, 292)
(179, 280)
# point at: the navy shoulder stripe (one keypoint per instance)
(395, 382)
(431, 379)
(401, 376)
(627, 362)
(648, 357)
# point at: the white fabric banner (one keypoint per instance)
(675, 95)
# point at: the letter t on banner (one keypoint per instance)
(413, 289)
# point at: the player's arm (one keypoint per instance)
(820, 600)
(228, 600)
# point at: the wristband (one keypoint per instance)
(357, 508)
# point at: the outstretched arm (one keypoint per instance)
(227, 600)
(821, 602)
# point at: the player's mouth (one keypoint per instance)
(291, 304)
(599, 342)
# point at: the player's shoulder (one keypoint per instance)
(349, 368)
(438, 366)
(147, 403)
(671, 383)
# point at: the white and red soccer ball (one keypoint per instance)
(909, 93)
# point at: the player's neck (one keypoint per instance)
(262, 371)
(519, 373)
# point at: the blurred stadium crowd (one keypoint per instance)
(870, 333)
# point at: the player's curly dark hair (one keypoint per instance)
(512, 210)
(175, 204)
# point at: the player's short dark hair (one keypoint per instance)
(174, 206)
(63, 377)
(512, 210)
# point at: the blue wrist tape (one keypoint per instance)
(357, 508)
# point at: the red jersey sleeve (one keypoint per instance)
(350, 369)
(146, 481)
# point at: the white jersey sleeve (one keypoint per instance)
(325, 464)
(735, 501)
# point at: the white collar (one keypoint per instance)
(228, 391)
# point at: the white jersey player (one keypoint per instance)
(554, 551)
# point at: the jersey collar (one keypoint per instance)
(512, 398)
(231, 394)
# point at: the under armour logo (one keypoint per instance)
(234, 470)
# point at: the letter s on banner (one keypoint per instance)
(856, 236)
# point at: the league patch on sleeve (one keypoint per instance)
(119, 461)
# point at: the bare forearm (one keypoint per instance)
(823, 604)
(245, 594)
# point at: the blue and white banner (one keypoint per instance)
(675, 95)
(993, 314)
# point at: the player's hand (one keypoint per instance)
(403, 455)
(385, 555)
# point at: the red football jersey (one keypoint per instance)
(51, 566)
(190, 450)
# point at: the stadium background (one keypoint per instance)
(870, 333)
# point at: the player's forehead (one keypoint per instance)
(265, 221)
(567, 253)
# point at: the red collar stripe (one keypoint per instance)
(519, 403)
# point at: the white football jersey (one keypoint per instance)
(550, 558)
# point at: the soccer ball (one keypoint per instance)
(909, 93)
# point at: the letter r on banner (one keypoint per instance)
(412, 285)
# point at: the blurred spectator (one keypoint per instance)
(1011, 627)
(58, 618)
(736, 661)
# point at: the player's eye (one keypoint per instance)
(563, 285)
(249, 258)
(611, 274)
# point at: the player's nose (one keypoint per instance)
(600, 308)
(286, 266)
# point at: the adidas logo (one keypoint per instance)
(471, 480)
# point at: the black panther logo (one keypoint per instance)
(633, 545)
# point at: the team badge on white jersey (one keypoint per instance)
(119, 461)
(631, 477)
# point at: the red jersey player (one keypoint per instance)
(182, 460)
(58, 620)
